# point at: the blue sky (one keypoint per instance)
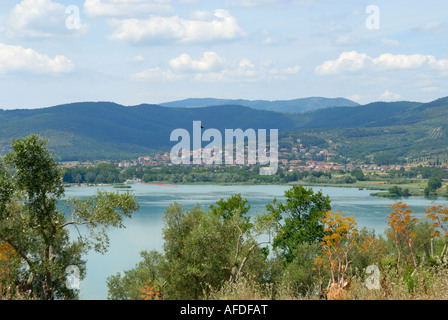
(152, 51)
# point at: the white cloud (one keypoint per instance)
(389, 96)
(204, 15)
(210, 61)
(245, 68)
(347, 61)
(156, 74)
(355, 97)
(353, 61)
(19, 59)
(121, 8)
(40, 19)
(189, 2)
(401, 61)
(156, 29)
(244, 71)
(213, 68)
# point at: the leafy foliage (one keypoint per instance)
(434, 183)
(202, 250)
(34, 227)
(147, 273)
(101, 173)
(340, 237)
(299, 218)
(208, 256)
(234, 205)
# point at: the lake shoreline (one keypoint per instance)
(367, 186)
(380, 188)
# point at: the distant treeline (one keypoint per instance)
(108, 173)
(101, 173)
(425, 172)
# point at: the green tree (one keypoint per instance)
(201, 250)
(298, 275)
(34, 226)
(358, 174)
(385, 158)
(398, 192)
(149, 270)
(299, 219)
(234, 205)
(434, 183)
(196, 251)
(90, 177)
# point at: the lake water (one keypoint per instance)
(144, 230)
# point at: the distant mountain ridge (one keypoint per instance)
(107, 130)
(300, 105)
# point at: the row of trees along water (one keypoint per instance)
(108, 173)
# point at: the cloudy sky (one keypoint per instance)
(152, 51)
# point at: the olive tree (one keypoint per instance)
(32, 223)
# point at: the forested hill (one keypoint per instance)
(293, 106)
(106, 130)
(378, 114)
(387, 133)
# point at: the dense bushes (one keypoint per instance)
(223, 254)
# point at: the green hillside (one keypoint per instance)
(383, 132)
(292, 106)
(104, 130)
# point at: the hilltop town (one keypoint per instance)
(296, 159)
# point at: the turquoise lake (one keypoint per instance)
(144, 230)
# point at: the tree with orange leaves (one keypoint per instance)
(439, 216)
(149, 292)
(339, 239)
(7, 253)
(400, 229)
(400, 224)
